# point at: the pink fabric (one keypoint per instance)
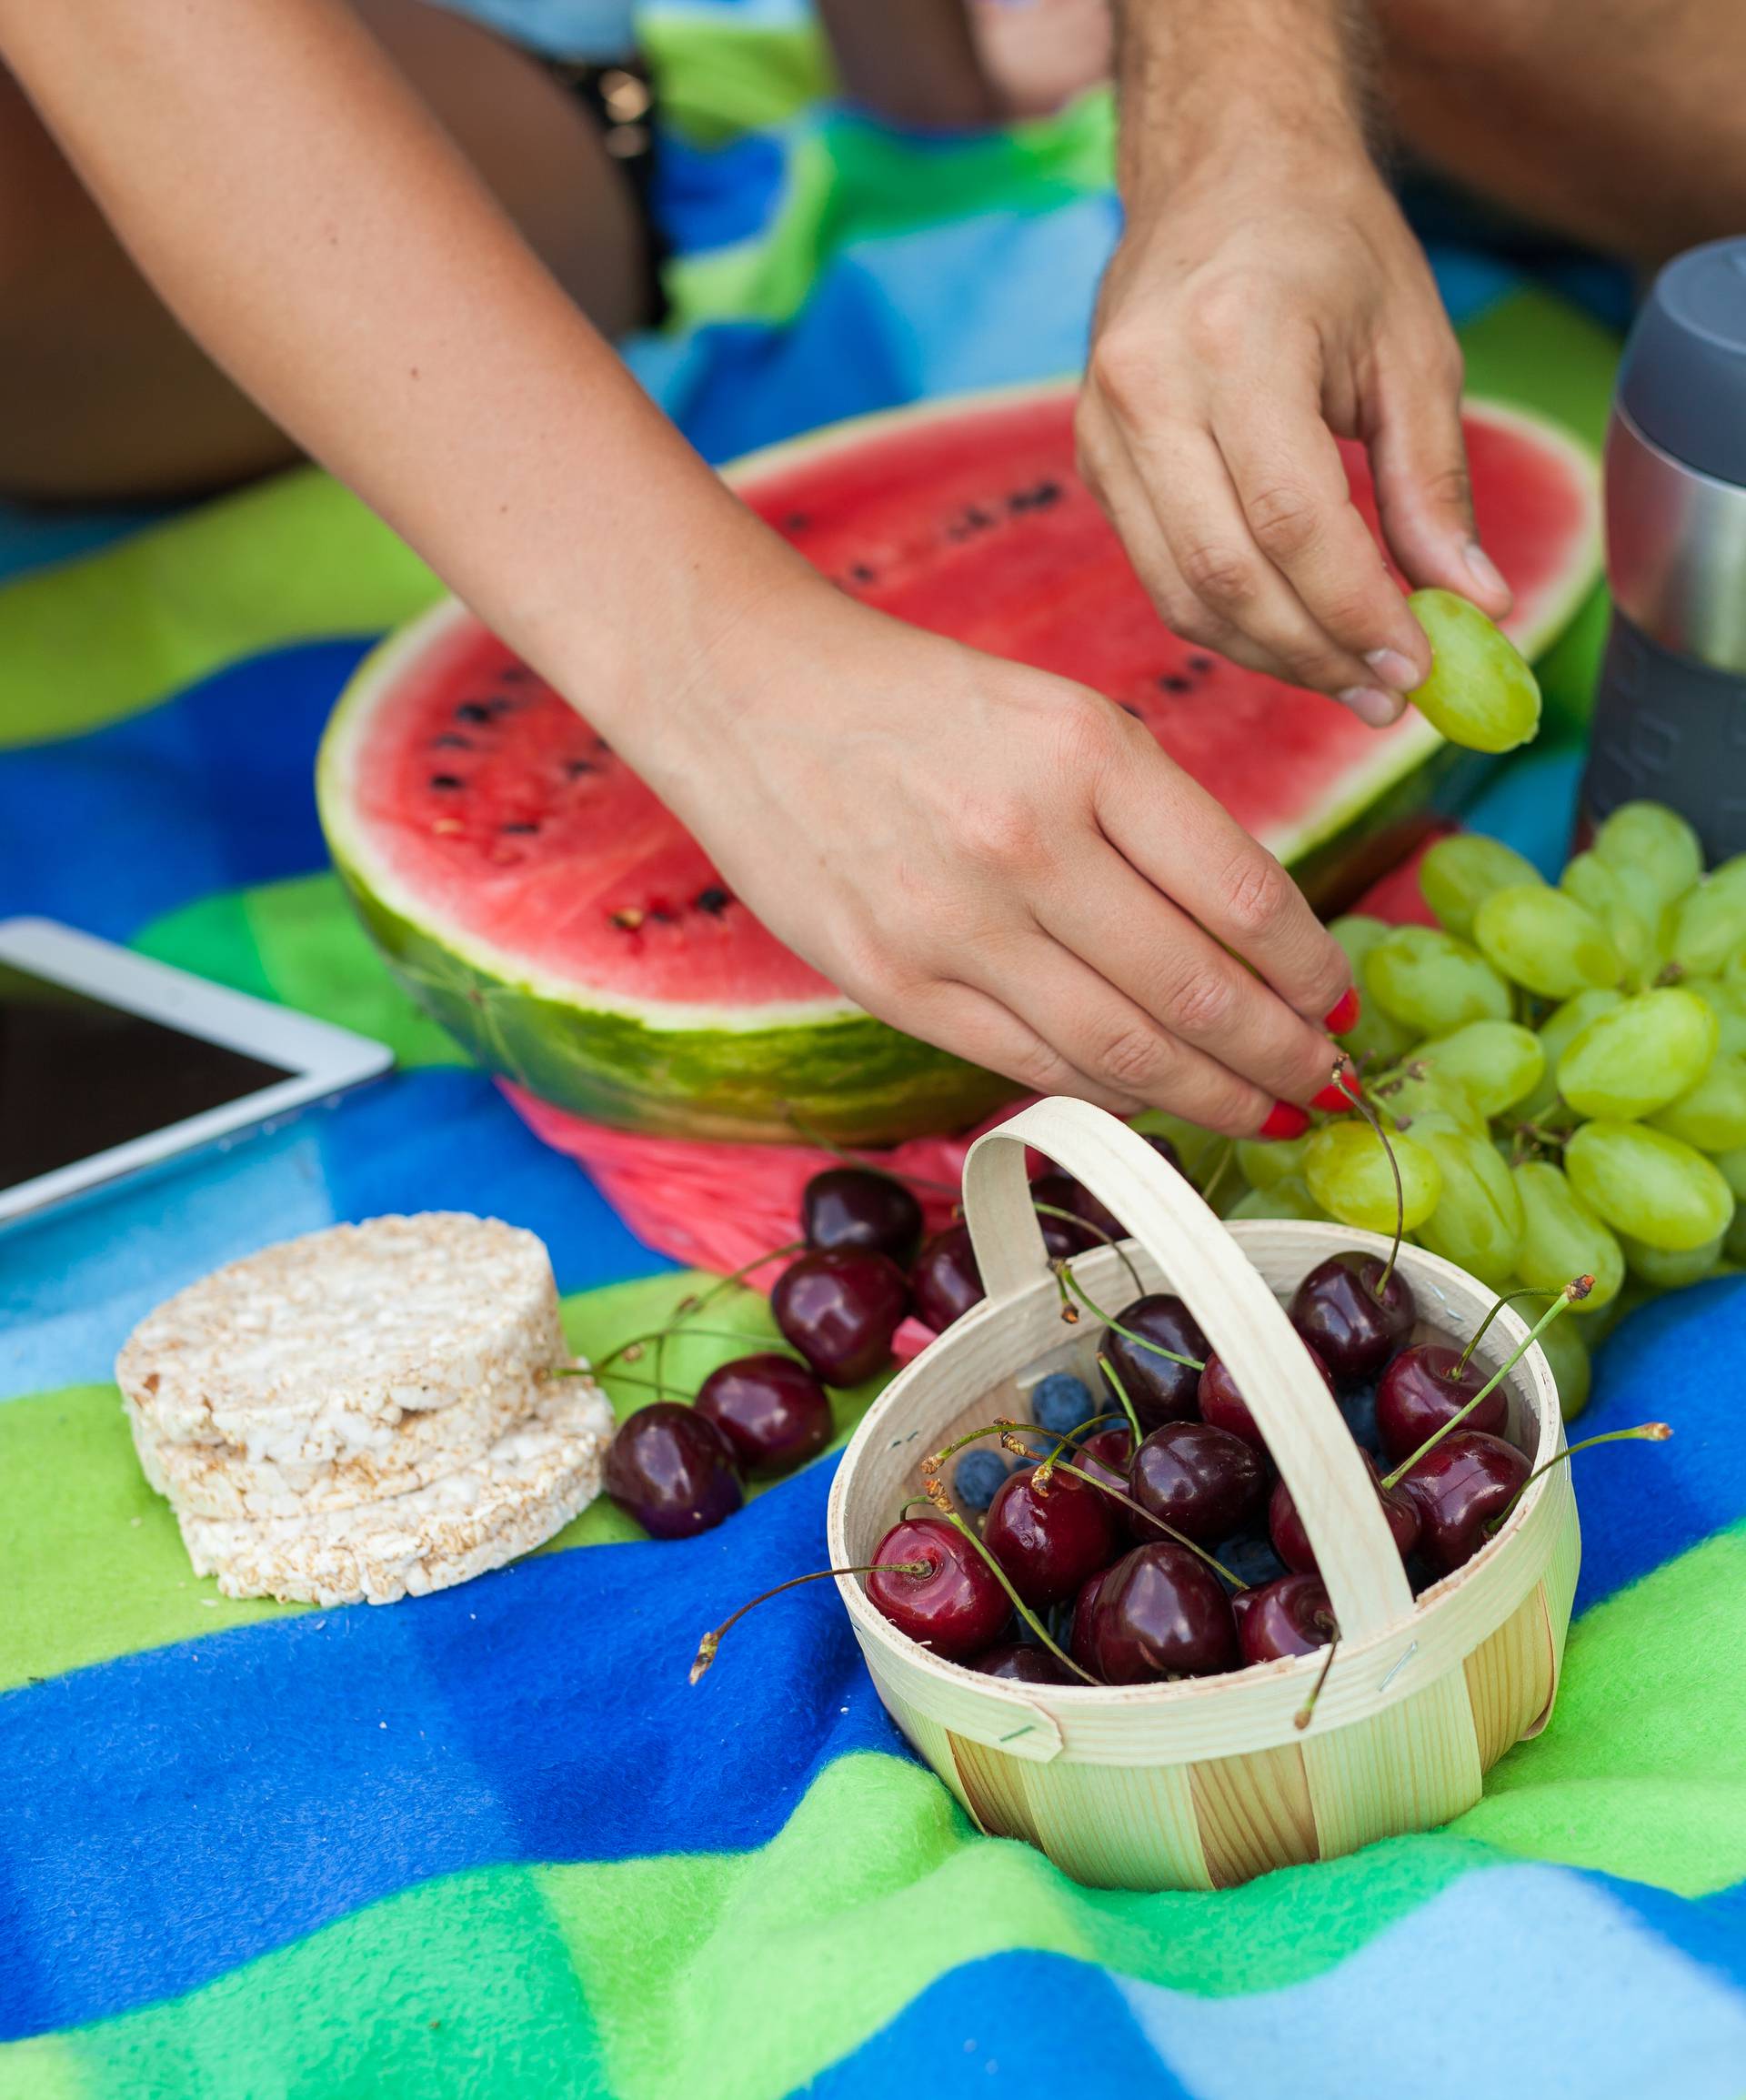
(720, 1206)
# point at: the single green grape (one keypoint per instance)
(1573, 1373)
(1546, 940)
(1478, 1221)
(1480, 692)
(1660, 845)
(1664, 1272)
(1649, 1185)
(1562, 1237)
(1557, 1032)
(1640, 1055)
(1709, 926)
(1417, 1095)
(1264, 1165)
(1496, 1062)
(1460, 872)
(1710, 1115)
(1349, 1176)
(1726, 1001)
(1288, 1198)
(1377, 1037)
(1637, 921)
(1433, 982)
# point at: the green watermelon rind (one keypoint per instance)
(822, 1067)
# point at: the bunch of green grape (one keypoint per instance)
(1562, 1071)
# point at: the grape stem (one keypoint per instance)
(1572, 1294)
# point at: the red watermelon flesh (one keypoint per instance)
(541, 900)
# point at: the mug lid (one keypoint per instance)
(1684, 380)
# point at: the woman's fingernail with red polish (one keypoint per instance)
(1284, 1120)
(1332, 1096)
(1345, 1015)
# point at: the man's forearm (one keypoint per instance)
(320, 236)
(1215, 85)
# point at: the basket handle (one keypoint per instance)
(1247, 1326)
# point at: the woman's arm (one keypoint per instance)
(989, 856)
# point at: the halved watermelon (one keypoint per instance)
(543, 905)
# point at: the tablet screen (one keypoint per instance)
(78, 1076)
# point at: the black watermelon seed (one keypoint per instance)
(1174, 682)
(859, 572)
(662, 916)
(795, 521)
(446, 781)
(1200, 663)
(577, 767)
(473, 711)
(519, 828)
(449, 742)
(977, 520)
(713, 900)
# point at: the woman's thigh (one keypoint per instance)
(102, 396)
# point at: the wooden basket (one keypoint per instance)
(1204, 1783)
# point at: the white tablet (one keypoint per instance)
(110, 1063)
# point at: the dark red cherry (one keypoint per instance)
(1049, 1539)
(1106, 1457)
(1337, 1311)
(1290, 1617)
(945, 1280)
(771, 1410)
(1161, 1390)
(1457, 1488)
(1224, 1406)
(1017, 1660)
(672, 1470)
(1078, 1640)
(841, 1308)
(1291, 1541)
(1158, 1613)
(1202, 1482)
(957, 1607)
(856, 1206)
(1061, 1236)
(1424, 1387)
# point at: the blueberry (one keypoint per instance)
(1251, 1559)
(979, 1477)
(1061, 1403)
(1359, 1407)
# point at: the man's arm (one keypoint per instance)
(1266, 298)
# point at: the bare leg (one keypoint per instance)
(102, 394)
(1615, 121)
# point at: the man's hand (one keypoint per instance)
(1266, 298)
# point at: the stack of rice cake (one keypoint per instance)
(367, 1412)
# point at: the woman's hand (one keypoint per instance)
(1244, 323)
(997, 861)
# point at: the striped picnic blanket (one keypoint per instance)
(489, 1841)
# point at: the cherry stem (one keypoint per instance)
(1644, 1433)
(1110, 1372)
(687, 1306)
(1073, 1217)
(754, 1343)
(708, 1646)
(1572, 1294)
(999, 1427)
(1019, 1604)
(1139, 1341)
(1140, 1510)
(1304, 1714)
(1478, 1333)
(1218, 1174)
(1355, 1096)
(815, 1137)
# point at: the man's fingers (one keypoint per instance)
(1295, 499)
(1419, 455)
(1100, 908)
(1188, 847)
